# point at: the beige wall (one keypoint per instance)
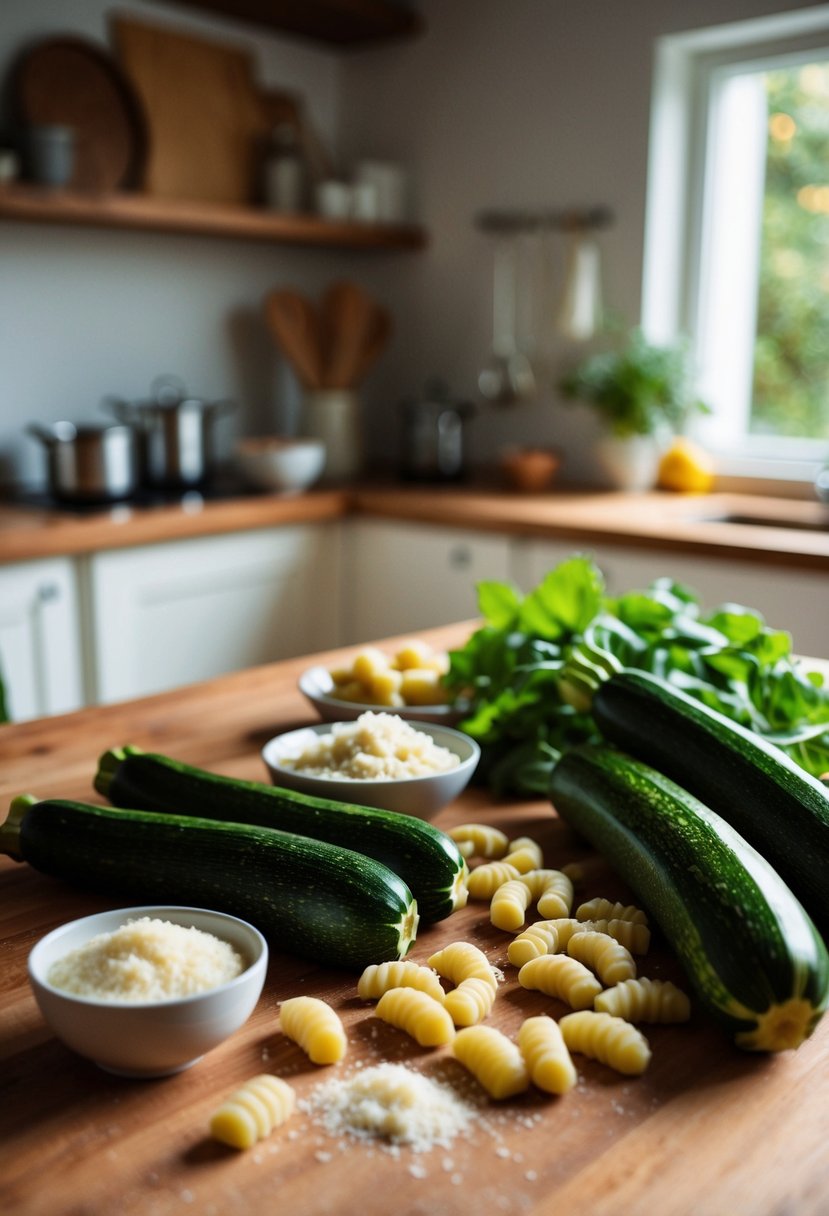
(501, 103)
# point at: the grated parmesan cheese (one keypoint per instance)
(146, 960)
(377, 747)
(394, 1103)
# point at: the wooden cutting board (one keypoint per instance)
(206, 116)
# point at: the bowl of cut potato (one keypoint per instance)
(407, 681)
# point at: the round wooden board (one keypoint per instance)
(76, 83)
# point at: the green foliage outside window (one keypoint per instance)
(791, 364)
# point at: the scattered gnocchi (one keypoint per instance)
(546, 1055)
(604, 955)
(411, 676)
(493, 1059)
(378, 978)
(644, 1000)
(584, 960)
(561, 977)
(315, 1027)
(253, 1111)
(417, 1014)
(608, 1039)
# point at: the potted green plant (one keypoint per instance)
(642, 393)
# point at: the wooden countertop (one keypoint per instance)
(706, 1129)
(676, 523)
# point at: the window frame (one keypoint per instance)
(688, 68)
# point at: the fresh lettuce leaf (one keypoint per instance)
(524, 675)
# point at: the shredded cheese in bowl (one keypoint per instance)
(376, 747)
(146, 960)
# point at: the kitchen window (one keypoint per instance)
(737, 236)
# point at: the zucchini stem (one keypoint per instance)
(108, 766)
(10, 828)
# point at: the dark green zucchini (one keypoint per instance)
(751, 953)
(309, 898)
(427, 860)
(766, 796)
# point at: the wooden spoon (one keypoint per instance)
(347, 313)
(377, 339)
(295, 326)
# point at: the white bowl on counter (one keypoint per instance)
(421, 797)
(316, 685)
(282, 465)
(153, 1038)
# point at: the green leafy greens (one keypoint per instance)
(526, 675)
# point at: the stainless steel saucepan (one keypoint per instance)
(176, 434)
(94, 462)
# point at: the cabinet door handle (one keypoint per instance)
(47, 593)
(460, 557)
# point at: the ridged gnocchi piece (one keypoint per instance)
(508, 907)
(546, 1055)
(540, 938)
(470, 1002)
(493, 1059)
(608, 1039)
(315, 1027)
(400, 973)
(574, 871)
(525, 854)
(556, 898)
(604, 955)
(634, 937)
(605, 909)
(461, 961)
(253, 1111)
(486, 841)
(565, 927)
(485, 880)
(644, 1000)
(562, 977)
(418, 1015)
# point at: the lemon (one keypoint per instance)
(686, 467)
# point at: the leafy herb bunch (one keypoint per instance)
(524, 677)
(638, 388)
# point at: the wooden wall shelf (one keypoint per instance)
(149, 214)
(340, 23)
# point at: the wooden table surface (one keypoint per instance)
(707, 1131)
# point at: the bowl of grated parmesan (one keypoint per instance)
(378, 760)
(146, 991)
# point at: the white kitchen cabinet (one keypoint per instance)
(159, 616)
(40, 639)
(401, 577)
(794, 600)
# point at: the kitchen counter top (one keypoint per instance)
(680, 523)
(706, 1128)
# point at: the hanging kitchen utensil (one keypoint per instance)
(295, 327)
(580, 311)
(508, 378)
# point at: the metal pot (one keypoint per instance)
(89, 462)
(433, 437)
(176, 434)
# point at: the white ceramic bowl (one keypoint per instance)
(157, 1038)
(287, 466)
(422, 797)
(316, 686)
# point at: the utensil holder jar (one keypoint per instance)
(334, 416)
